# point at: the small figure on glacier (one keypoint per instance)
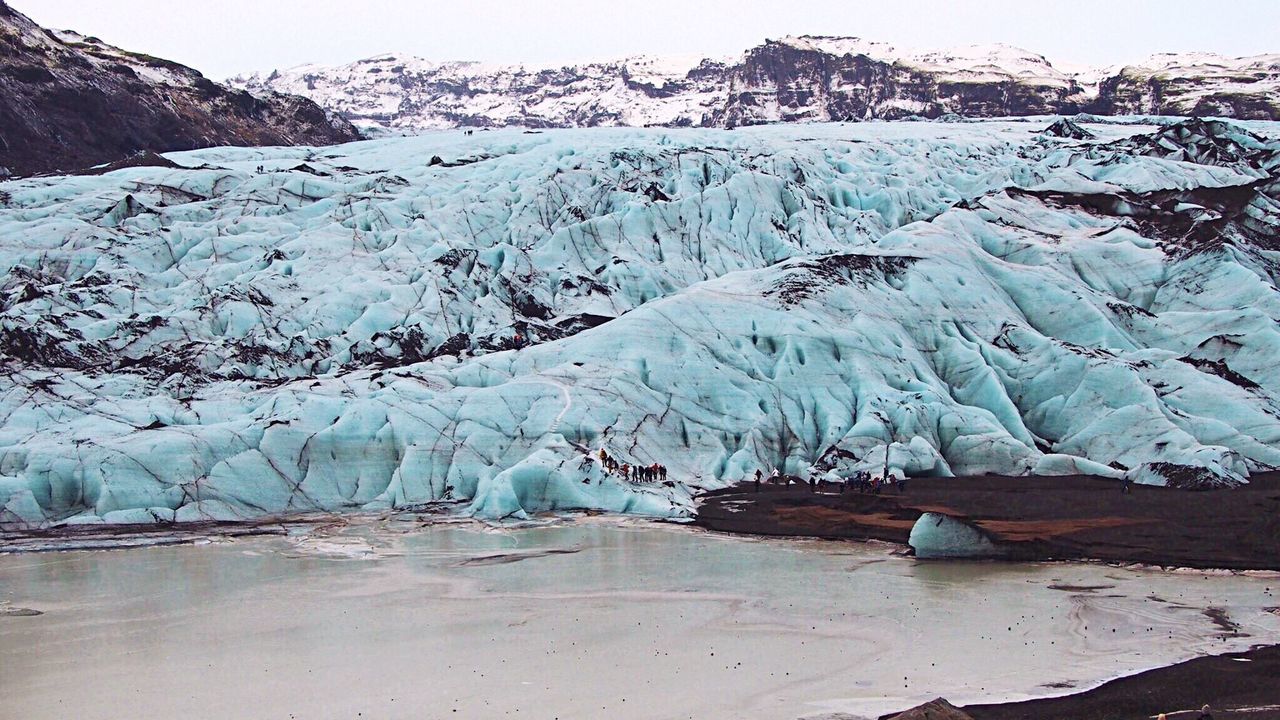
(1205, 713)
(1126, 485)
(759, 475)
(626, 471)
(776, 477)
(662, 473)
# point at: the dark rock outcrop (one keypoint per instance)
(937, 709)
(1068, 130)
(780, 81)
(69, 102)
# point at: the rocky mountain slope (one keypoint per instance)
(69, 102)
(796, 79)
(469, 319)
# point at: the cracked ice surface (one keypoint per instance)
(340, 330)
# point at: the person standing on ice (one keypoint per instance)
(776, 477)
(759, 475)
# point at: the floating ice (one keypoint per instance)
(936, 536)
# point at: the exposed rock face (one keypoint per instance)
(795, 79)
(68, 102)
(820, 79)
(1195, 84)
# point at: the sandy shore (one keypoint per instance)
(1033, 518)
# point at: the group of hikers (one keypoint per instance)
(639, 473)
(863, 481)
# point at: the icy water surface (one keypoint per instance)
(588, 618)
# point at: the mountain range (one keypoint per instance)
(795, 79)
(68, 101)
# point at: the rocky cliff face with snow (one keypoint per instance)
(406, 321)
(790, 80)
(68, 102)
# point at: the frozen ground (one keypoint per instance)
(588, 619)
(403, 321)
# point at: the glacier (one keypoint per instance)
(468, 319)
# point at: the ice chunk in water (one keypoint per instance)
(940, 536)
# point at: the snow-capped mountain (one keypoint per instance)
(68, 102)
(396, 322)
(794, 79)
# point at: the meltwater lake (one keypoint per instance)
(582, 617)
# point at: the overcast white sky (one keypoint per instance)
(227, 37)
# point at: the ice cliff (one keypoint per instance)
(402, 321)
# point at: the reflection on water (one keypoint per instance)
(579, 619)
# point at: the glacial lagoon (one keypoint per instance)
(582, 617)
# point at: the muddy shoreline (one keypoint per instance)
(1031, 518)
(1234, 685)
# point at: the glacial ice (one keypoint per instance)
(355, 327)
(936, 536)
